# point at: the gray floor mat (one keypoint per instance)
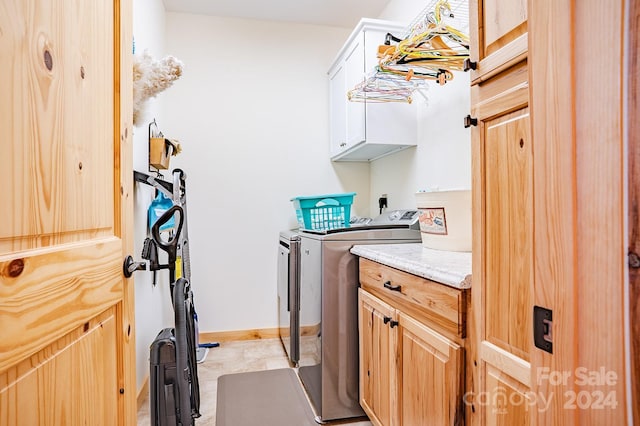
(268, 398)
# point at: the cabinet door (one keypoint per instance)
(503, 247)
(498, 31)
(354, 74)
(377, 359)
(338, 109)
(366, 130)
(431, 379)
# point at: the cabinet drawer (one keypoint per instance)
(441, 306)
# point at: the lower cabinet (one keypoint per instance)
(378, 359)
(431, 375)
(409, 373)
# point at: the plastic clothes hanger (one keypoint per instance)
(432, 49)
(380, 86)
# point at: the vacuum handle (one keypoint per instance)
(171, 245)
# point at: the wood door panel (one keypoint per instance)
(503, 22)
(431, 378)
(502, 170)
(499, 36)
(58, 93)
(515, 367)
(508, 227)
(91, 349)
(377, 360)
(509, 400)
(54, 293)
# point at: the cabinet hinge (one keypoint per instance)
(470, 121)
(468, 64)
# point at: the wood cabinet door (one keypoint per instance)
(498, 32)
(378, 348)
(431, 377)
(502, 248)
(67, 352)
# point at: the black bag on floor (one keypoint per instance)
(174, 388)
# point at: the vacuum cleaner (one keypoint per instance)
(174, 387)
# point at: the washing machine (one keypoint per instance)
(326, 308)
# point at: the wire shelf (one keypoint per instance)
(460, 19)
(435, 43)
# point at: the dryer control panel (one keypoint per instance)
(407, 218)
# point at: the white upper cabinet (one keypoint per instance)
(365, 131)
(337, 108)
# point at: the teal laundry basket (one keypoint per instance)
(323, 212)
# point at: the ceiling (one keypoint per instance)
(335, 13)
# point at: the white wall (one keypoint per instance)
(442, 158)
(251, 112)
(153, 304)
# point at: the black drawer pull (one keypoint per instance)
(388, 285)
(386, 319)
(393, 324)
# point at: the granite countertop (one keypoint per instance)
(447, 267)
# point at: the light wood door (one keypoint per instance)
(633, 133)
(498, 32)
(431, 378)
(502, 248)
(378, 349)
(578, 123)
(67, 352)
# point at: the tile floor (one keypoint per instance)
(232, 357)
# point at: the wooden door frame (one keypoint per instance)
(555, 205)
(577, 132)
(633, 141)
(123, 174)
